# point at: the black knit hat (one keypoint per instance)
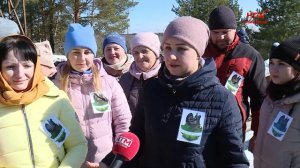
(289, 52)
(222, 17)
(274, 45)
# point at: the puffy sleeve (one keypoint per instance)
(76, 144)
(121, 114)
(230, 135)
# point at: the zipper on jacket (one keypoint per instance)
(58, 160)
(86, 114)
(29, 136)
(174, 91)
(172, 88)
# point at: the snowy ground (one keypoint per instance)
(249, 134)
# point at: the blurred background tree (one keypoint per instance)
(201, 8)
(283, 19)
(49, 19)
(283, 22)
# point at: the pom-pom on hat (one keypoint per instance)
(80, 36)
(115, 38)
(147, 39)
(222, 17)
(189, 29)
(289, 52)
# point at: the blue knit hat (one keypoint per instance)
(116, 38)
(80, 36)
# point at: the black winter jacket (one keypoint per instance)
(158, 117)
(131, 87)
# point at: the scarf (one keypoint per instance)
(120, 68)
(277, 92)
(38, 88)
(135, 71)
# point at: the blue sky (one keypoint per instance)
(154, 15)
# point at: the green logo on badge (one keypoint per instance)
(53, 128)
(191, 125)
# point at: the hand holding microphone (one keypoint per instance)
(125, 148)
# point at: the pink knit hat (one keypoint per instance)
(189, 29)
(147, 39)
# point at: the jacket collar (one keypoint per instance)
(291, 99)
(202, 78)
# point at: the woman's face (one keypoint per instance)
(81, 59)
(114, 53)
(17, 73)
(180, 58)
(280, 71)
(144, 58)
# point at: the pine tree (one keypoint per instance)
(49, 19)
(283, 22)
(202, 8)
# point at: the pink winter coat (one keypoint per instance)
(270, 152)
(100, 128)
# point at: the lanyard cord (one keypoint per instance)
(292, 109)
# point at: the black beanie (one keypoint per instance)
(289, 52)
(222, 17)
(274, 45)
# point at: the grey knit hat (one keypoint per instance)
(191, 30)
(222, 17)
(8, 27)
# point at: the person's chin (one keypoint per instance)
(114, 61)
(81, 69)
(277, 81)
(222, 47)
(175, 72)
(19, 88)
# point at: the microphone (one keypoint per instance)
(125, 148)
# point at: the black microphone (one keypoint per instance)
(117, 162)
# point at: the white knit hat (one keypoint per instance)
(8, 27)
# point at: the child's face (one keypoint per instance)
(81, 59)
(280, 71)
(181, 59)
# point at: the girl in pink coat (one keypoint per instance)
(277, 143)
(97, 97)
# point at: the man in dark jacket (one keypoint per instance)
(240, 67)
